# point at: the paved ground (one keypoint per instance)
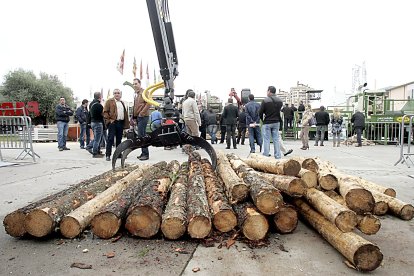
(302, 253)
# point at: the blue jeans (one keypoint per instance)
(255, 131)
(97, 129)
(271, 130)
(63, 128)
(84, 130)
(142, 131)
(320, 134)
(212, 129)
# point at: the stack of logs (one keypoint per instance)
(192, 198)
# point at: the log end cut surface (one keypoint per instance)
(380, 208)
(143, 222)
(369, 224)
(173, 228)
(346, 221)
(199, 227)
(360, 200)
(268, 203)
(328, 182)
(225, 221)
(239, 192)
(69, 227)
(368, 257)
(407, 212)
(291, 167)
(286, 220)
(14, 224)
(298, 187)
(255, 227)
(38, 223)
(105, 225)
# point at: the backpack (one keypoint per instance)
(312, 121)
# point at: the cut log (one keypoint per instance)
(291, 185)
(364, 255)
(145, 213)
(276, 166)
(286, 220)
(396, 207)
(337, 214)
(307, 163)
(199, 218)
(14, 222)
(236, 189)
(357, 198)
(310, 178)
(264, 195)
(327, 181)
(42, 220)
(76, 221)
(174, 220)
(380, 207)
(367, 223)
(253, 224)
(224, 218)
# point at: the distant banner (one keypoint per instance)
(16, 109)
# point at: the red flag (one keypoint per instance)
(120, 66)
(140, 71)
(134, 68)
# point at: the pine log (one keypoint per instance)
(327, 180)
(307, 163)
(224, 218)
(76, 221)
(364, 255)
(310, 178)
(14, 222)
(145, 213)
(174, 220)
(42, 220)
(291, 185)
(276, 166)
(236, 189)
(264, 195)
(367, 223)
(253, 224)
(286, 220)
(396, 207)
(380, 207)
(357, 198)
(199, 218)
(337, 214)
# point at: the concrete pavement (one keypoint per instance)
(302, 253)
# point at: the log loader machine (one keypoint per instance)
(168, 134)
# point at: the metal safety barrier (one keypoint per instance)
(15, 133)
(405, 157)
(382, 132)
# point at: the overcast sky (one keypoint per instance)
(220, 43)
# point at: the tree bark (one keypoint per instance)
(397, 207)
(42, 220)
(236, 189)
(276, 166)
(307, 163)
(367, 223)
(291, 185)
(253, 224)
(224, 218)
(310, 178)
(174, 220)
(199, 218)
(364, 255)
(286, 220)
(14, 222)
(264, 195)
(337, 214)
(144, 214)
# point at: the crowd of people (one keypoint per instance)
(262, 121)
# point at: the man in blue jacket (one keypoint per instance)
(81, 115)
(62, 112)
(253, 123)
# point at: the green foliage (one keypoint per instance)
(24, 86)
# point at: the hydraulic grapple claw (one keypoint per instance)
(125, 145)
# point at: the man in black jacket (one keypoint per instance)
(358, 119)
(62, 112)
(322, 122)
(97, 122)
(269, 113)
(241, 127)
(81, 115)
(230, 115)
